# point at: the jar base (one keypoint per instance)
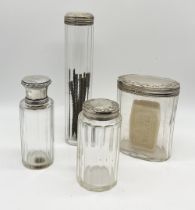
(37, 160)
(97, 178)
(157, 155)
(96, 189)
(71, 141)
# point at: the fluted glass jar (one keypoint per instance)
(78, 68)
(98, 144)
(36, 123)
(148, 106)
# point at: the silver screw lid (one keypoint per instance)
(79, 18)
(101, 109)
(36, 87)
(148, 85)
(36, 81)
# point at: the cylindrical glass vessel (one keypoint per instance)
(78, 68)
(36, 123)
(148, 106)
(98, 144)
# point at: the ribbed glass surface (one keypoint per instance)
(147, 125)
(37, 134)
(97, 154)
(78, 75)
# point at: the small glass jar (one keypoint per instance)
(36, 123)
(148, 106)
(98, 144)
(78, 68)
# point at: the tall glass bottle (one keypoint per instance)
(36, 123)
(78, 68)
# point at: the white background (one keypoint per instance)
(131, 36)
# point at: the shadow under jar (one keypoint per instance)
(98, 144)
(78, 68)
(36, 123)
(148, 106)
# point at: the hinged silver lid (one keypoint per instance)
(79, 18)
(101, 109)
(36, 87)
(148, 85)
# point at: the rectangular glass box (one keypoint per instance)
(148, 106)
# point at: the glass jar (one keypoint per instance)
(148, 106)
(98, 144)
(78, 68)
(36, 123)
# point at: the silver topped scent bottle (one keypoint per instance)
(78, 68)
(148, 107)
(36, 123)
(98, 144)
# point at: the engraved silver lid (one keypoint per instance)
(36, 88)
(101, 109)
(79, 18)
(148, 85)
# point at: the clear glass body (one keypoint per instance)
(147, 125)
(97, 153)
(37, 134)
(78, 75)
